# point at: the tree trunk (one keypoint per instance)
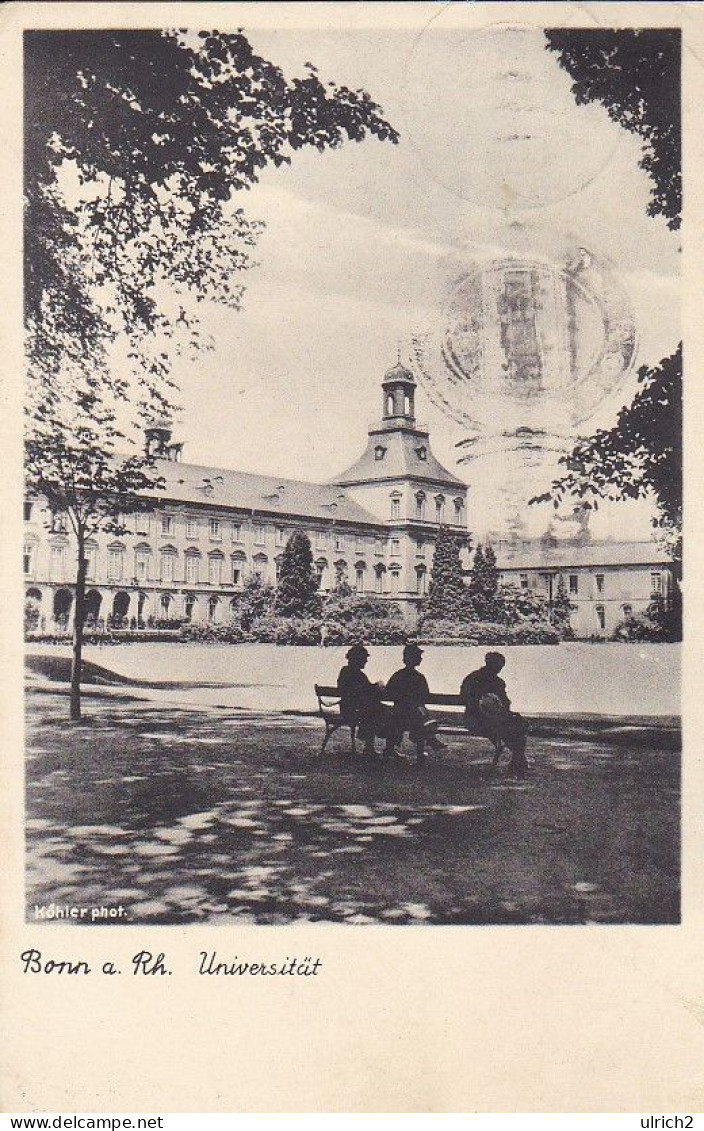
(78, 623)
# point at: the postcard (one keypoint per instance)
(350, 693)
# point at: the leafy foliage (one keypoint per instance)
(160, 130)
(660, 623)
(136, 143)
(256, 600)
(485, 632)
(635, 74)
(524, 605)
(641, 454)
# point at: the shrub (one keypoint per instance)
(256, 600)
(358, 630)
(485, 632)
(31, 616)
(637, 628)
(215, 634)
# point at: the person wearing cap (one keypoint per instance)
(408, 688)
(360, 699)
(488, 710)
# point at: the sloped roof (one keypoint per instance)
(537, 556)
(222, 487)
(401, 460)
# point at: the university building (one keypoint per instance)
(211, 529)
(606, 581)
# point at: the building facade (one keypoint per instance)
(210, 529)
(605, 581)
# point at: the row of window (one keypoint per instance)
(218, 572)
(656, 583)
(421, 509)
(142, 559)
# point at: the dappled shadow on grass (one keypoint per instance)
(210, 816)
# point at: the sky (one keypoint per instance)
(361, 244)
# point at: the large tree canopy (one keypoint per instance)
(641, 454)
(160, 129)
(136, 144)
(635, 74)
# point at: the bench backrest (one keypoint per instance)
(330, 697)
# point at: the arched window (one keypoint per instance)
(421, 581)
(379, 573)
(420, 505)
(189, 605)
(394, 580)
(600, 617)
(359, 572)
(166, 602)
(213, 603)
(389, 404)
(459, 510)
(439, 508)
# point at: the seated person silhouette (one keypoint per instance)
(488, 711)
(409, 690)
(360, 700)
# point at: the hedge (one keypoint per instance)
(484, 632)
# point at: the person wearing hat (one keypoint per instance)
(488, 710)
(408, 688)
(360, 699)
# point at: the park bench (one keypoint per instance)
(447, 710)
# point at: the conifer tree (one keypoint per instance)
(448, 598)
(562, 608)
(297, 588)
(484, 585)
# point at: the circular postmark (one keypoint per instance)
(534, 333)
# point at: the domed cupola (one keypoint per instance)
(399, 386)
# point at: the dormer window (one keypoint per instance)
(422, 453)
(379, 452)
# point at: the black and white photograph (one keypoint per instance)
(352, 551)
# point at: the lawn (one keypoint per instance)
(191, 815)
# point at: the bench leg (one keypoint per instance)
(498, 750)
(330, 729)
